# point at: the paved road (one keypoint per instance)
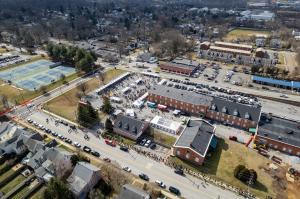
(191, 188)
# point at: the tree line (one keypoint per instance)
(82, 59)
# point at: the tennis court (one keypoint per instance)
(33, 75)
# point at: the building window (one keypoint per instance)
(197, 159)
(178, 152)
(187, 155)
(275, 147)
(284, 149)
(290, 151)
(298, 153)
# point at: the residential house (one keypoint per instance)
(131, 192)
(83, 178)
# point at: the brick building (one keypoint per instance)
(279, 134)
(195, 141)
(191, 102)
(233, 46)
(233, 113)
(180, 66)
(129, 127)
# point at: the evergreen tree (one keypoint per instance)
(106, 107)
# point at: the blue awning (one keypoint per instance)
(214, 142)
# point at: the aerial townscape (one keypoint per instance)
(149, 99)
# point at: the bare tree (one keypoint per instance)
(4, 101)
(83, 87)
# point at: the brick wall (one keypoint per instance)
(172, 68)
(189, 155)
(289, 149)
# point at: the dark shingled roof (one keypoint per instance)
(129, 124)
(132, 192)
(197, 135)
(251, 112)
(181, 95)
(279, 129)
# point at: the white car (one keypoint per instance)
(76, 144)
(127, 169)
(148, 143)
(160, 184)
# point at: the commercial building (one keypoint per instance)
(279, 134)
(276, 82)
(129, 127)
(191, 102)
(165, 125)
(234, 113)
(257, 15)
(230, 45)
(195, 141)
(180, 66)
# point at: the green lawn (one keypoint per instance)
(226, 157)
(163, 138)
(244, 34)
(66, 105)
(39, 194)
(21, 192)
(6, 174)
(9, 186)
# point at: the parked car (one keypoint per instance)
(124, 148)
(29, 121)
(76, 144)
(127, 169)
(143, 142)
(111, 142)
(152, 146)
(174, 190)
(69, 141)
(233, 138)
(160, 184)
(95, 153)
(144, 177)
(54, 134)
(148, 143)
(106, 159)
(87, 149)
(179, 172)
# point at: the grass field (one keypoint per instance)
(39, 194)
(244, 34)
(66, 104)
(162, 138)
(9, 186)
(226, 157)
(20, 193)
(6, 174)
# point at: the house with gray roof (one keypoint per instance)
(83, 178)
(195, 141)
(130, 127)
(233, 113)
(131, 192)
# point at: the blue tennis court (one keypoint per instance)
(33, 75)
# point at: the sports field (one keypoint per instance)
(33, 75)
(245, 34)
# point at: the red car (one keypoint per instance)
(111, 143)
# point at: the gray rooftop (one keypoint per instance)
(197, 135)
(132, 192)
(251, 112)
(279, 129)
(182, 95)
(186, 62)
(129, 124)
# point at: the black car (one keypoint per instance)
(174, 190)
(144, 177)
(87, 149)
(124, 148)
(95, 153)
(152, 146)
(179, 172)
(67, 140)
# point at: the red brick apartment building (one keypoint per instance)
(180, 66)
(194, 103)
(233, 46)
(235, 114)
(195, 141)
(279, 134)
(214, 108)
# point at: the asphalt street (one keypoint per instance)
(191, 187)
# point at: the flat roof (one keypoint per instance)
(181, 95)
(233, 44)
(182, 63)
(197, 135)
(280, 129)
(279, 82)
(166, 123)
(217, 48)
